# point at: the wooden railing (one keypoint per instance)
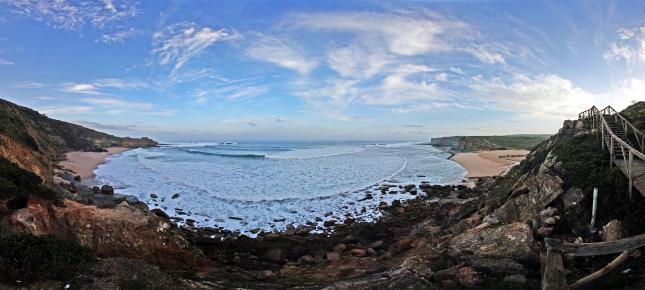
(611, 141)
(553, 273)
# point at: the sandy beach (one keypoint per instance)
(84, 163)
(488, 163)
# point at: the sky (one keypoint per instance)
(320, 70)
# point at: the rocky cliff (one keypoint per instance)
(476, 143)
(35, 142)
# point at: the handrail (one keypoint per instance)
(598, 113)
(640, 137)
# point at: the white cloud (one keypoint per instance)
(94, 87)
(6, 62)
(273, 50)
(116, 103)
(28, 85)
(178, 43)
(489, 54)
(403, 34)
(119, 36)
(542, 95)
(629, 45)
(65, 110)
(357, 62)
(73, 15)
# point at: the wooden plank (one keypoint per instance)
(554, 277)
(600, 248)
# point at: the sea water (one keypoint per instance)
(248, 185)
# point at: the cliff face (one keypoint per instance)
(476, 143)
(35, 142)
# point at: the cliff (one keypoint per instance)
(476, 143)
(36, 142)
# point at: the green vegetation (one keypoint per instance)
(587, 165)
(635, 114)
(16, 184)
(474, 143)
(27, 258)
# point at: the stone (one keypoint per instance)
(152, 195)
(358, 252)
(77, 177)
(541, 190)
(329, 213)
(409, 187)
(612, 231)
(267, 275)
(275, 254)
(545, 231)
(515, 279)
(468, 276)
(329, 223)
(175, 196)
(107, 189)
(307, 259)
(396, 203)
(122, 231)
(371, 252)
(502, 242)
(333, 257)
(160, 213)
(382, 205)
(340, 248)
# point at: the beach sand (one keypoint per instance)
(489, 163)
(84, 163)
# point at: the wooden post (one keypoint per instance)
(630, 174)
(554, 276)
(594, 206)
(611, 151)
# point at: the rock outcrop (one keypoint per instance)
(123, 231)
(514, 241)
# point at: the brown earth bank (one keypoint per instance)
(449, 237)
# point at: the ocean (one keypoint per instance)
(268, 185)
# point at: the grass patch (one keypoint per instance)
(27, 258)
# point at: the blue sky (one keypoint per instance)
(332, 70)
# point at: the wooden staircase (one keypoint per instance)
(624, 142)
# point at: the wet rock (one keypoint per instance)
(255, 230)
(235, 218)
(349, 221)
(175, 196)
(329, 223)
(96, 190)
(329, 213)
(107, 190)
(77, 177)
(160, 213)
(409, 187)
(382, 205)
(396, 203)
(152, 195)
(319, 219)
(280, 220)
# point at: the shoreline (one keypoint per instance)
(83, 164)
(489, 163)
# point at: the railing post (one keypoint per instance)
(611, 151)
(630, 174)
(602, 137)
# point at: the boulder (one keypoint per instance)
(612, 231)
(123, 231)
(541, 189)
(107, 189)
(513, 241)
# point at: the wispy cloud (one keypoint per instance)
(28, 85)
(274, 50)
(6, 62)
(73, 15)
(119, 36)
(94, 87)
(177, 44)
(116, 103)
(101, 126)
(61, 110)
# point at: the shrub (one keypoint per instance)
(29, 258)
(16, 182)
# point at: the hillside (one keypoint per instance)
(475, 143)
(35, 142)
(635, 113)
